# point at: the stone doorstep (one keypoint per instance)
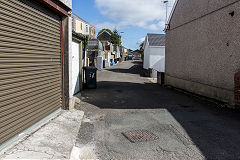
(74, 100)
(53, 139)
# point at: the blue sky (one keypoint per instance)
(135, 18)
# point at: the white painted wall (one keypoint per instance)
(108, 57)
(75, 87)
(146, 57)
(157, 58)
(154, 57)
(70, 55)
(118, 54)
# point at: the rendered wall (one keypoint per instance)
(188, 10)
(204, 53)
(80, 26)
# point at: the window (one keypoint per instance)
(86, 28)
(92, 32)
(81, 26)
(74, 24)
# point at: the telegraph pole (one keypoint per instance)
(166, 20)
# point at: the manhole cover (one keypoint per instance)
(139, 136)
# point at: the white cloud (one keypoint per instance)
(141, 40)
(157, 26)
(148, 14)
(106, 25)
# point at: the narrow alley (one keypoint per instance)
(175, 125)
(120, 79)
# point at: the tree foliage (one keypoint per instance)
(116, 38)
(141, 49)
(141, 46)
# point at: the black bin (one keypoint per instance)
(90, 77)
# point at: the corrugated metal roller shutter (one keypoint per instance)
(30, 66)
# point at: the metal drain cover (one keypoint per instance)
(139, 136)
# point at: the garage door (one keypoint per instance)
(30, 65)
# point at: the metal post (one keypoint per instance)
(166, 20)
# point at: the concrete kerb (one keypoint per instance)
(74, 100)
(201, 97)
(33, 141)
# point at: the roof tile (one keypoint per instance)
(156, 39)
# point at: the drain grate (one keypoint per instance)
(140, 136)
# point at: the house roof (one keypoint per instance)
(156, 39)
(79, 18)
(104, 32)
(104, 36)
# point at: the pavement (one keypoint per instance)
(53, 139)
(187, 126)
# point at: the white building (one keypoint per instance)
(154, 53)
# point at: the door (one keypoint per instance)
(75, 67)
(30, 65)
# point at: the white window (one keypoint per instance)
(86, 28)
(92, 32)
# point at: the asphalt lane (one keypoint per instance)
(187, 127)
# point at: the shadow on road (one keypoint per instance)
(213, 130)
(137, 68)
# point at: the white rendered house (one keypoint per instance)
(154, 53)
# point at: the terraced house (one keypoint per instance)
(83, 27)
